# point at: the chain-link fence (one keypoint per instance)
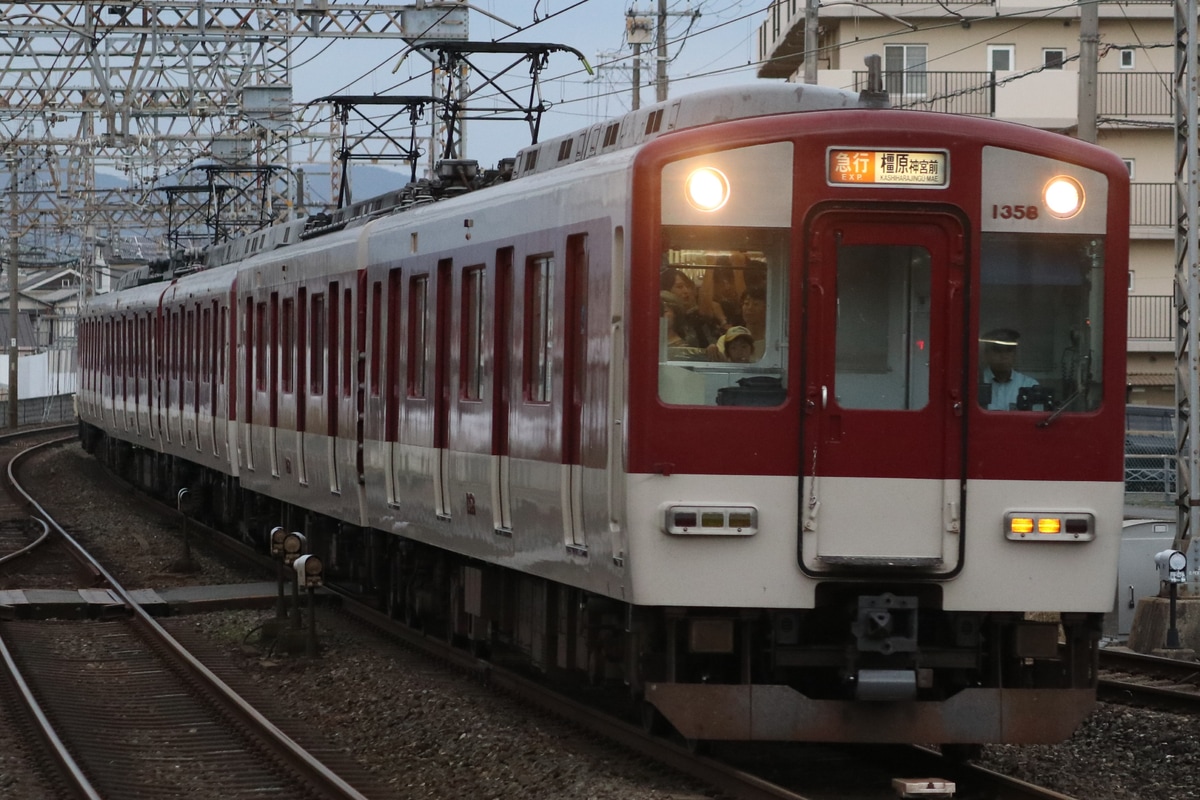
(1150, 458)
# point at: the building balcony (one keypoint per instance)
(781, 35)
(1049, 96)
(1152, 205)
(1152, 318)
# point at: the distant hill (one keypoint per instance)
(365, 180)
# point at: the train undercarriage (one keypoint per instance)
(871, 661)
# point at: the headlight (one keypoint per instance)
(1063, 197)
(706, 189)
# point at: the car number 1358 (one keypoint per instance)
(1014, 212)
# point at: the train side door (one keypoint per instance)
(884, 384)
(575, 377)
(502, 337)
(441, 381)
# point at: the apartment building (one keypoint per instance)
(1020, 62)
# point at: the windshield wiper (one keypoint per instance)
(1054, 414)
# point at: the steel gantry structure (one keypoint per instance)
(155, 89)
(145, 88)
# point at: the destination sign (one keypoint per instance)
(891, 167)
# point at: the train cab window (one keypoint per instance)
(883, 294)
(723, 317)
(1041, 323)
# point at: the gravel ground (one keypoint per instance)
(429, 737)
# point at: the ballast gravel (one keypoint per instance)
(429, 736)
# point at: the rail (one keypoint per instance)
(312, 772)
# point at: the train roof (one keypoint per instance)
(687, 111)
(457, 177)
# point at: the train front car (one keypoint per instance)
(885, 504)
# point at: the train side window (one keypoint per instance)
(539, 328)
(394, 342)
(260, 351)
(288, 347)
(207, 363)
(1042, 298)
(222, 317)
(418, 334)
(347, 359)
(471, 357)
(317, 345)
(376, 335)
(722, 298)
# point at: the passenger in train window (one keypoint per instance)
(699, 326)
(754, 313)
(737, 345)
(755, 274)
(726, 290)
(1002, 383)
(677, 348)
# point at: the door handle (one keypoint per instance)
(824, 397)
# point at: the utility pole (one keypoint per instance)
(637, 33)
(1187, 276)
(660, 79)
(1089, 56)
(811, 40)
(14, 219)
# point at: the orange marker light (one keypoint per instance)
(1049, 525)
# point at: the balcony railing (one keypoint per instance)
(1135, 94)
(1152, 205)
(949, 92)
(1118, 94)
(1151, 316)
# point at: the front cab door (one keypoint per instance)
(884, 383)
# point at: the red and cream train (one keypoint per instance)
(466, 395)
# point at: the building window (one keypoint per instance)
(904, 69)
(1127, 58)
(1001, 57)
(1054, 57)
(1129, 166)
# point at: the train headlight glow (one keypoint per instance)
(1049, 526)
(707, 189)
(1063, 197)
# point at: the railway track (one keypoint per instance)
(130, 713)
(873, 770)
(1148, 681)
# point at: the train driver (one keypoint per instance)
(1002, 383)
